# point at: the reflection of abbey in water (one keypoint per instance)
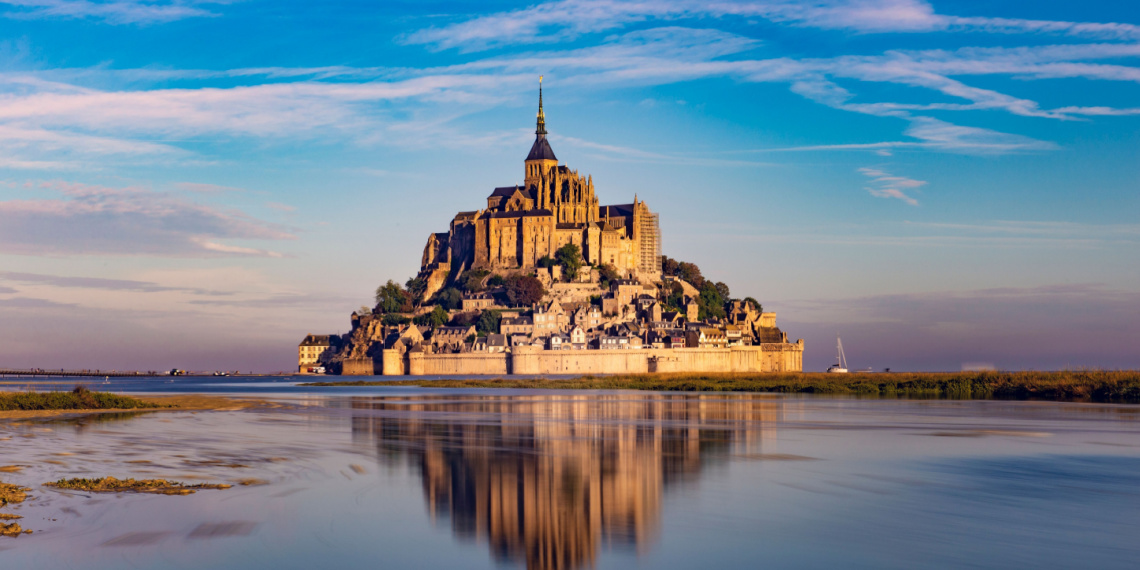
(548, 479)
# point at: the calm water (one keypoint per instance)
(419, 478)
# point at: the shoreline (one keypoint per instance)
(1121, 387)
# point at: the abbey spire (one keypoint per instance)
(541, 158)
(541, 130)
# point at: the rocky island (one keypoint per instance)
(546, 280)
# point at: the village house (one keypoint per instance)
(516, 325)
(477, 301)
(548, 320)
(310, 351)
(705, 337)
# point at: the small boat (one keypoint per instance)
(840, 366)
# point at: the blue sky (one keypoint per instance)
(200, 184)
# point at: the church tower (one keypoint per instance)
(541, 158)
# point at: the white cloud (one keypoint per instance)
(87, 219)
(52, 120)
(887, 185)
(111, 11)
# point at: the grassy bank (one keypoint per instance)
(78, 399)
(1090, 385)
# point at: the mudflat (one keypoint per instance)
(164, 403)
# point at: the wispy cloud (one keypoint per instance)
(53, 120)
(87, 219)
(109, 11)
(887, 185)
(568, 19)
(98, 283)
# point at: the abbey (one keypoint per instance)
(553, 206)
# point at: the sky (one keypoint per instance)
(199, 184)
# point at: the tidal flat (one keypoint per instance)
(408, 477)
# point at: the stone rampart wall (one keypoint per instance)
(358, 367)
(532, 360)
(460, 364)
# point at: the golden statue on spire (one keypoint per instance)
(541, 130)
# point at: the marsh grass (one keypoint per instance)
(78, 399)
(1066, 385)
(113, 485)
(11, 494)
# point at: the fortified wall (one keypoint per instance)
(529, 360)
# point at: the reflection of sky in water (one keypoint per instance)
(429, 478)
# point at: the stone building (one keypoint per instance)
(554, 206)
(310, 351)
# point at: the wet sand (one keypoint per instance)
(174, 403)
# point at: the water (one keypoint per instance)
(423, 478)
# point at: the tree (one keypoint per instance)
(488, 322)
(691, 273)
(416, 288)
(364, 310)
(570, 258)
(755, 304)
(709, 302)
(391, 298)
(496, 280)
(394, 319)
(669, 266)
(723, 290)
(449, 298)
(546, 262)
(606, 275)
(437, 317)
(524, 290)
(675, 297)
(473, 280)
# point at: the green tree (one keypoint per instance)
(393, 319)
(755, 304)
(437, 317)
(495, 280)
(524, 290)
(473, 280)
(546, 262)
(674, 297)
(416, 288)
(450, 299)
(710, 302)
(723, 290)
(606, 275)
(691, 273)
(669, 266)
(488, 322)
(391, 298)
(570, 258)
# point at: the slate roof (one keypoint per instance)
(504, 191)
(541, 150)
(616, 210)
(316, 340)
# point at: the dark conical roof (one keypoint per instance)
(541, 150)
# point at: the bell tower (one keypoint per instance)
(541, 158)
